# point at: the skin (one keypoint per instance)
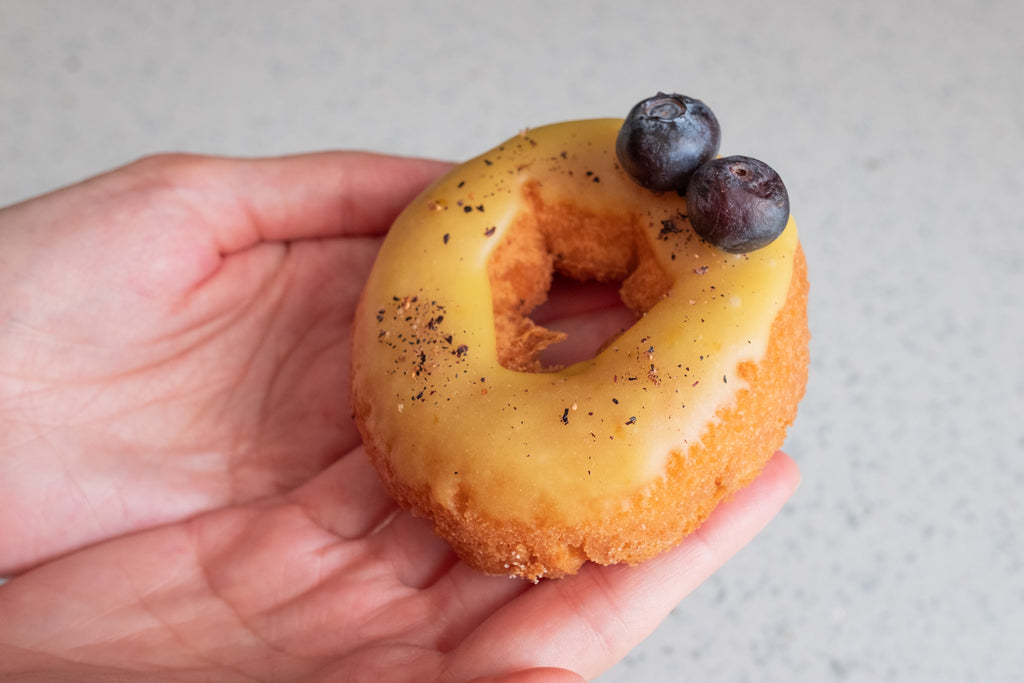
(185, 496)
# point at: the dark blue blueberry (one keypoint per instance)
(665, 138)
(737, 204)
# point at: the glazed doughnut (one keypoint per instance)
(528, 470)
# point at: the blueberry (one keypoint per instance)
(665, 138)
(737, 204)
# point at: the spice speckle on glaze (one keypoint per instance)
(478, 438)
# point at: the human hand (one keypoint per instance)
(174, 423)
(174, 338)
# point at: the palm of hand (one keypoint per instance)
(177, 346)
(188, 332)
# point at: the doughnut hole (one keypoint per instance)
(560, 264)
(588, 313)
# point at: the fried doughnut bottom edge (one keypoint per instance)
(732, 451)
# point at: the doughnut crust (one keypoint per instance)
(532, 471)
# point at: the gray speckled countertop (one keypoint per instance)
(899, 129)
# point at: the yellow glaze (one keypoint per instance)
(569, 444)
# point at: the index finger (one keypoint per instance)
(589, 621)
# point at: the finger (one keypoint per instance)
(347, 499)
(568, 298)
(586, 336)
(322, 195)
(469, 597)
(589, 313)
(589, 621)
(411, 548)
(538, 675)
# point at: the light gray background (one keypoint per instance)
(899, 129)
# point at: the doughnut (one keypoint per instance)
(529, 470)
